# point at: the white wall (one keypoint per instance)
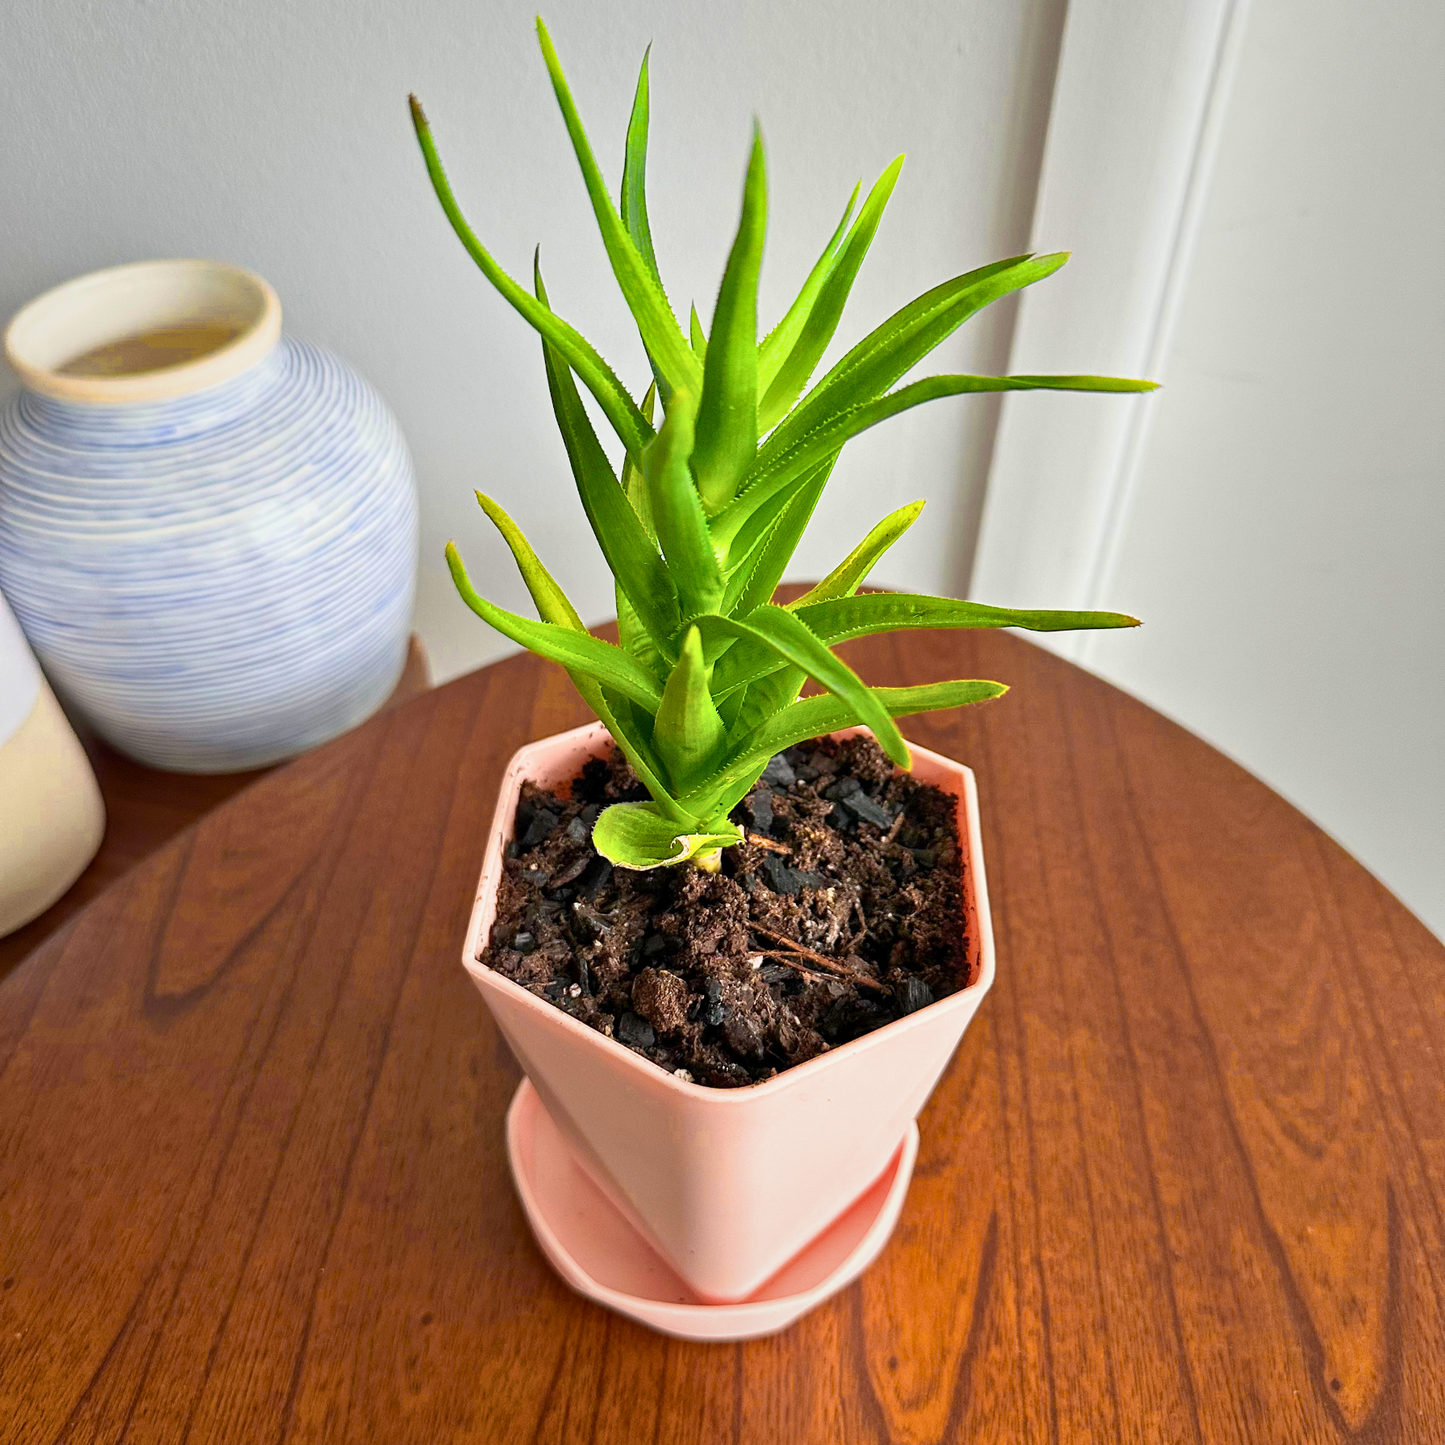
(274, 133)
(1286, 542)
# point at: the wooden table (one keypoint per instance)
(1185, 1180)
(145, 808)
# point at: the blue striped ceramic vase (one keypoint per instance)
(208, 531)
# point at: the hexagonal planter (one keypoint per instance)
(728, 1185)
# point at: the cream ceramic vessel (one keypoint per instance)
(728, 1185)
(51, 815)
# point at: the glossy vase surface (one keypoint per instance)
(215, 557)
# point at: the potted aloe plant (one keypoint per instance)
(733, 953)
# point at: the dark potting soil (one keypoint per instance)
(842, 912)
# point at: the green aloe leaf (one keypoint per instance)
(677, 513)
(634, 638)
(779, 342)
(794, 642)
(729, 708)
(746, 538)
(634, 484)
(812, 717)
(727, 411)
(599, 378)
(629, 726)
(614, 710)
(703, 520)
(839, 620)
(576, 651)
(687, 732)
(848, 575)
(784, 469)
(637, 835)
(902, 341)
(631, 554)
(634, 175)
(823, 319)
(1111, 385)
(753, 582)
(661, 335)
(746, 708)
(846, 617)
(633, 207)
(552, 602)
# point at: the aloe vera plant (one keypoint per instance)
(703, 687)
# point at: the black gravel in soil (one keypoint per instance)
(863, 869)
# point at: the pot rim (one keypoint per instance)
(976, 910)
(109, 305)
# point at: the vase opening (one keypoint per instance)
(144, 332)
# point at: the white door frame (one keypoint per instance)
(1139, 100)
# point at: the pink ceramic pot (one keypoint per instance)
(728, 1184)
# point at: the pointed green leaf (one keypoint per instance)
(751, 658)
(779, 470)
(687, 731)
(757, 524)
(729, 708)
(676, 512)
(635, 639)
(618, 407)
(760, 700)
(576, 651)
(904, 339)
(627, 723)
(644, 296)
(698, 335)
(823, 320)
(776, 345)
(634, 484)
(632, 635)
(846, 617)
(630, 552)
(744, 666)
(633, 208)
(727, 411)
(634, 175)
(1112, 385)
(636, 835)
(551, 600)
(793, 641)
(753, 583)
(612, 708)
(848, 575)
(814, 717)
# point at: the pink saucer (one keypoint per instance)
(603, 1257)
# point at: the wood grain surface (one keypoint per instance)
(1184, 1181)
(145, 808)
